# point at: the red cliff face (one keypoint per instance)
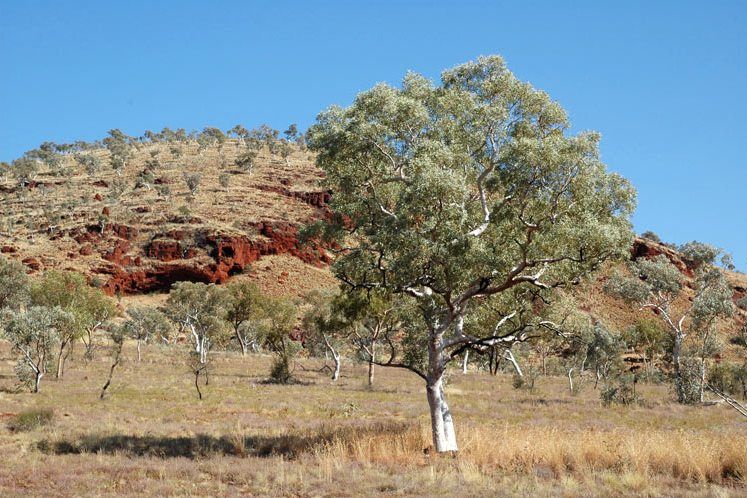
(196, 256)
(645, 248)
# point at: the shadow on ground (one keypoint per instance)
(201, 445)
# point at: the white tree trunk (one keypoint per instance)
(242, 342)
(37, 380)
(570, 380)
(442, 423)
(336, 374)
(464, 362)
(509, 355)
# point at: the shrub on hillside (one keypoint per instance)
(31, 419)
(652, 236)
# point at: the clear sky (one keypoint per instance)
(663, 81)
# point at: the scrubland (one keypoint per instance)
(151, 436)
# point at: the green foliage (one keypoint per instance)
(238, 131)
(145, 322)
(210, 136)
(713, 299)
(47, 154)
(33, 334)
(163, 190)
(699, 253)
(281, 371)
(245, 161)
(69, 291)
(14, 284)
(243, 312)
(651, 236)
(29, 420)
(120, 147)
(323, 323)
(192, 180)
(145, 179)
(89, 306)
(647, 336)
(25, 169)
(116, 189)
(464, 190)
(688, 385)
(621, 391)
(656, 276)
(280, 316)
(729, 378)
(90, 162)
(198, 308)
(292, 132)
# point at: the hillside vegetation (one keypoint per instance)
(139, 226)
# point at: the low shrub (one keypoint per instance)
(31, 419)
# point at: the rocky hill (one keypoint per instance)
(139, 228)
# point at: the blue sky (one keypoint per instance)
(662, 81)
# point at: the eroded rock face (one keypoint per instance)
(212, 258)
(645, 248)
(193, 254)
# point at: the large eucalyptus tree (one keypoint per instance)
(453, 193)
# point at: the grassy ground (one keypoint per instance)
(151, 436)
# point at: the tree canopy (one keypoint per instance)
(456, 192)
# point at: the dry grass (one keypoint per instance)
(152, 437)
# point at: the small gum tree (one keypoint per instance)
(280, 315)
(33, 334)
(89, 307)
(14, 284)
(197, 308)
(242, 307)
(143, 324)
(449, 194)
(656, 284)
(117, 335)
(323, 330)
(373, 319)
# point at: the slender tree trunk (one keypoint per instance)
(570, 380)
(242, 343)
(371, 365)
(61, 361)
(510, 357)
(197, 384)
(678, 385)
(336, 358)
(138, 351)
(702, 379)
(37, 380)
(464, 362)
(111, 373)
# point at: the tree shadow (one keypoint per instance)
(201, 446)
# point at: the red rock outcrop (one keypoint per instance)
(213, 259)
(645, 248)
(318, 199)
